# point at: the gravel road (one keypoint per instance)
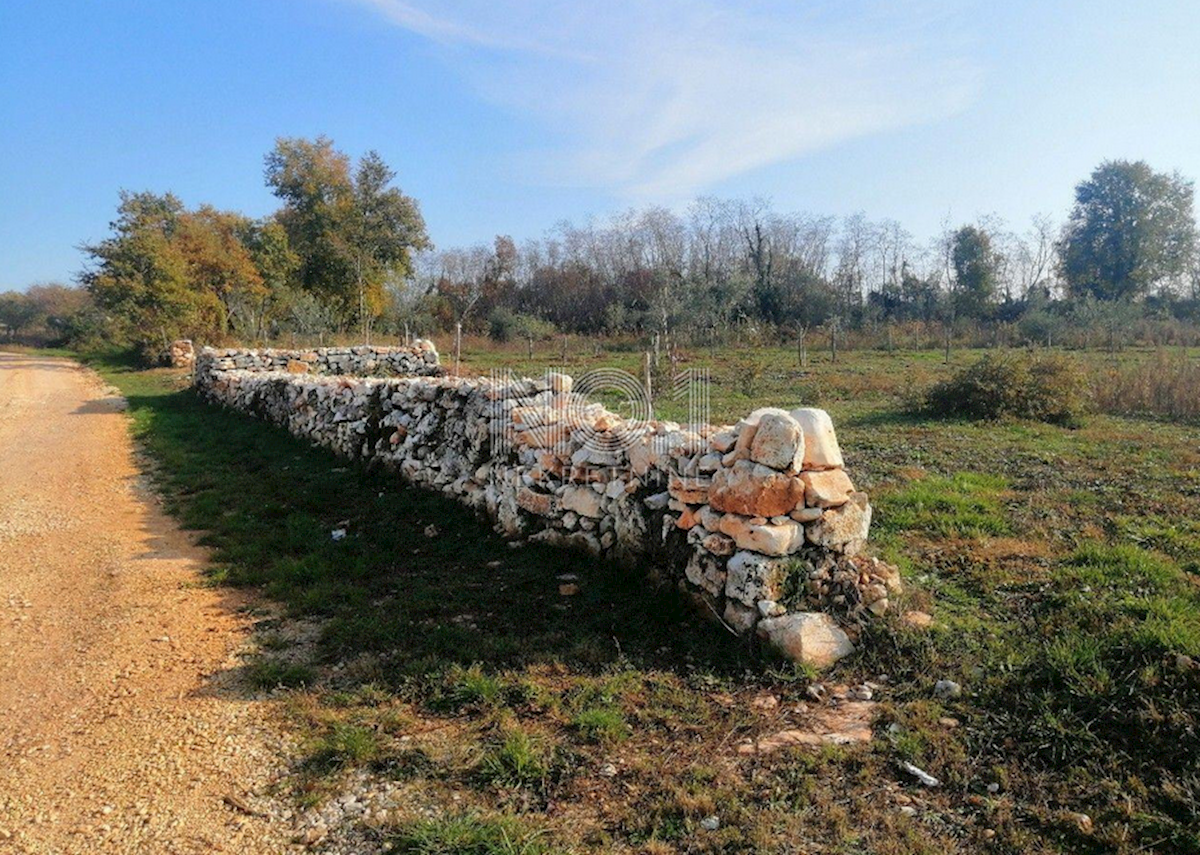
(123, 724)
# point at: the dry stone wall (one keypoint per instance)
(757, 521)
(363, 361)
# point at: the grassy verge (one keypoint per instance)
(1056, 565)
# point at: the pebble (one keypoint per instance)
(710, 823)
(947, 689)
(862, 693)
(920, 774)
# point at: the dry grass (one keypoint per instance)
(1166, 385)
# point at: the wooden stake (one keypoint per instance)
(646, 372)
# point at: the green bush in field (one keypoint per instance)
(1013, 385)
(506, 325)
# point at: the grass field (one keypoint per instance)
(1060, 567)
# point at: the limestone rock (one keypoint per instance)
(843, 529)
(751, 577)
(828, 488)
(705, 572)
(722, 441)
(719, 544)
(764, 537)
(821, 449)
(806, 515)
(916, 620)
(812, 638)
(691, 490)
(560, 382)
(582, 500)
(754, 490)
(542, 504)
(739, 617)
(778, 442)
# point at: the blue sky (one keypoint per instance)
(505, 116)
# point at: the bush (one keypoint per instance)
(1010, 385)
(507, 325)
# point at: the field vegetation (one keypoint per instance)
(1058, 562)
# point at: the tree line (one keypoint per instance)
(347, 253)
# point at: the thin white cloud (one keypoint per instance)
(662, 98)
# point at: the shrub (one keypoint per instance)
(507, 325)
(1013, 385)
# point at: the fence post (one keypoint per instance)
(646, 375)
(457, 346)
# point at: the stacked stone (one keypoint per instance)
(418, 360)
(181, 354)
(758, 521)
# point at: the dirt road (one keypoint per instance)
(123, 727)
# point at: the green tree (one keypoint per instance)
(267, 242)
(140, 275)
(313, 180)
(350, 232)
(385, 228)
(1130, 229)
(975, 265)
(218, 262)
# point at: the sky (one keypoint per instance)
(508, 116)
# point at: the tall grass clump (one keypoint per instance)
(1046, 388)
(1166, 385)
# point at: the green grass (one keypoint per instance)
(1058, 565)
(965, 504)
(270, 673)
(601, 724)
(470, 835)
(518, 759)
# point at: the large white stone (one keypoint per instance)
(812, 638)
(751, 577)
(705, 572)
(827, 488)
(582, 500)
(778, 442)
(765, 537)
(843, 529)
(821, 450)
(745, 430)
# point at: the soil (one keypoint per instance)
(125, 724)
